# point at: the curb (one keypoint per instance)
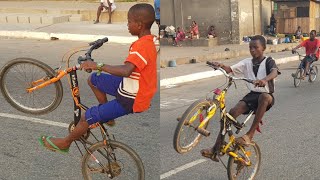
(66, 36)
(207, 74)
(224, 54)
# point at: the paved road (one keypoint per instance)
(21, 157)
(289, 139)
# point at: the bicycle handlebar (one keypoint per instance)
(227, 75)
(94, 45)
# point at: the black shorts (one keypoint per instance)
(252, 98)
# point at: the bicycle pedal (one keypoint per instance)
(203, 132)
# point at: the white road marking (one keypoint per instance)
(181, 168)
(175, 102)
(35, 120)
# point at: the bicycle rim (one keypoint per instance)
(313, 74)
(20, 74)
(297, 78)
(186, 136)
(125, 165)
(238, 171)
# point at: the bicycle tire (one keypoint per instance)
(17, 103)
(194, 107)
(115, 145)
(297, 78)
(231, 163)
(314, 72)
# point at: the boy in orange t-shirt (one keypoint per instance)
(133, 84)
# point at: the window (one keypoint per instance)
(302, 11)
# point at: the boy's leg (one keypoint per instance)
(101, 96)
(102, 85)
(64, 143)
(102, 113)
(110, 13)
(264, 103)
(100, 8)
(240, 108)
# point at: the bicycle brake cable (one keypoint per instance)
(222, 162)
(217, 88)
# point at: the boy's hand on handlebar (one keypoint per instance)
(260, 83)
(216, 64)
(89, 65)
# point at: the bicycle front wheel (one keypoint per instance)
(114, 160)
(297, 77)
(18, 75)
(313, 73)
(237, 170)
(186, 136)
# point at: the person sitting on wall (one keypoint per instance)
(194, 31)
(211, 32)
(298, 33)
(180, 36)
(105, 5)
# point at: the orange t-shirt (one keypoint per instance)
(141, 85)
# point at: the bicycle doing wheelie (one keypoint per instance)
(312, 74)
(244, 161)
(101, 159)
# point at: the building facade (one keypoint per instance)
(233, 19)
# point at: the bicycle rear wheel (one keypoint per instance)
(297, 77)
(313, 73)
(237, 170)
(186, 136)
(114, 158)
(19, 74)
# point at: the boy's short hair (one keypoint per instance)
(315, 32)
(261, 39)
(144, 13)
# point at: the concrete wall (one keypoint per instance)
(204, 12)
(167, 12)
(233, 19)
(254, 16)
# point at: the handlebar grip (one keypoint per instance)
(210, 63)
(99, 41)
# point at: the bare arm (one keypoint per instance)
(315, 52)
(263, 82)
(117, 70)
(273, 74)
(297, 47)
(226, 68)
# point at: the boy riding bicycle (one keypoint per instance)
(133, 84)
(263, 70)
(312, 52)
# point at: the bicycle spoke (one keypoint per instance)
(103, 162)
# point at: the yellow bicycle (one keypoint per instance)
(244, 161)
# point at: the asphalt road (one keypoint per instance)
(21, 157)
(289, 141)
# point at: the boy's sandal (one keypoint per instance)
(244, 140)
(54, 148)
